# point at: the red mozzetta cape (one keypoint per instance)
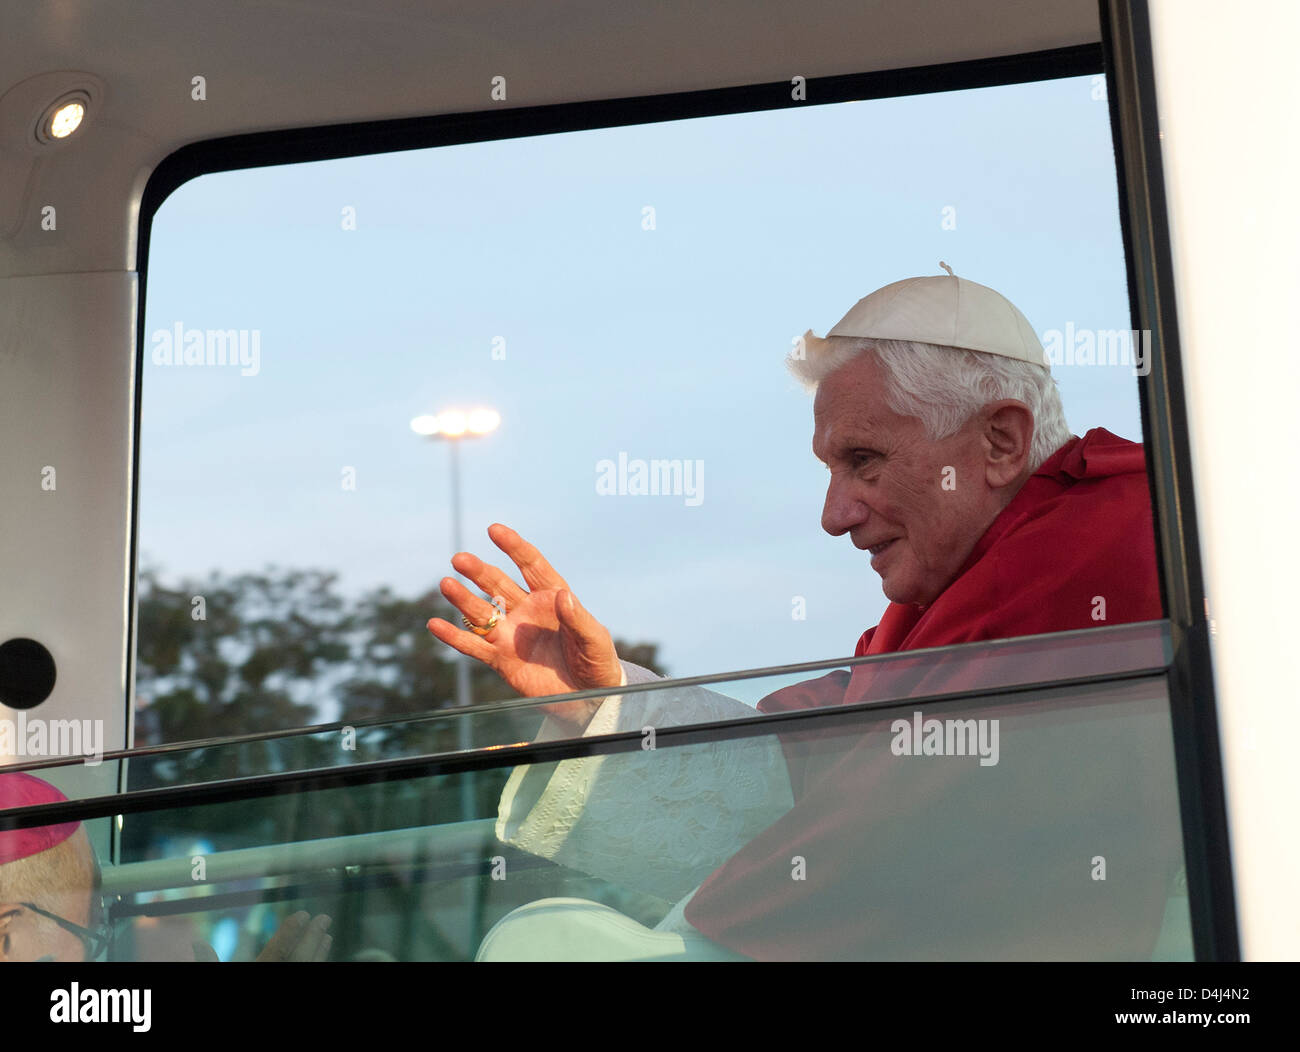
(889, 856)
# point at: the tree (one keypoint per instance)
(240, 655)
(279, 650)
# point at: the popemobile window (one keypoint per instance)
(737, 527)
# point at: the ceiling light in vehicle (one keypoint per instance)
(63, 117)
(66, 119)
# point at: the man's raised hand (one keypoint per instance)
(547, 642)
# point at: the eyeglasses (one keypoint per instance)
(96, 940)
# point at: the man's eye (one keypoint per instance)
(862, 457)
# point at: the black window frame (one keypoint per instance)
(1144, 221)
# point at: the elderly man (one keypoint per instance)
(50, 903)
(50, 908)
(951, 464)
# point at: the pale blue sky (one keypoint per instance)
(664, 343)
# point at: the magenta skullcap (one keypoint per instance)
(23, 790)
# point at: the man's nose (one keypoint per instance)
(842, 511)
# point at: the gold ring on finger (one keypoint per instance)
(482, 630)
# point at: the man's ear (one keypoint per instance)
(8, 911)
(1008, 432)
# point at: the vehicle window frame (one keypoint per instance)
(1124, 56)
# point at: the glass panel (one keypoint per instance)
(1035, 824)
(1109, 651)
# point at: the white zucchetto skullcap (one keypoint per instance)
(945, 310)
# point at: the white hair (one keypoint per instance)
(944, 387)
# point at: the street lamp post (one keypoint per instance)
(453, 426)
(464, 696)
